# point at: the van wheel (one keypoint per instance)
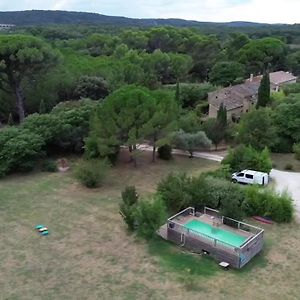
(234, 180)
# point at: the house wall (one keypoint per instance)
(234, 114)
(237, 112)
(277, 87)
(213, 111)
(248, 103)
(252, 249)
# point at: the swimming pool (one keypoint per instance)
(222, 235)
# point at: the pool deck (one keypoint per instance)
(200, 238)
(211, 220)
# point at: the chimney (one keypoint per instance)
(251, 77)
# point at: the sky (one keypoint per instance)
(264, 11)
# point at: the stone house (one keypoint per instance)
(239, 99)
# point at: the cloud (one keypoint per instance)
(266, 11)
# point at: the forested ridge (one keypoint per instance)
(42, 17)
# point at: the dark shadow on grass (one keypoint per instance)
(184, 263)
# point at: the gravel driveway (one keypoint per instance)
(288, 181)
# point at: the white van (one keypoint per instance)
(250, 177)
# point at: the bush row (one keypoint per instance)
(64, 129)
(142, 216)
(179, 191)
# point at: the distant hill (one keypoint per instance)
(47, 17)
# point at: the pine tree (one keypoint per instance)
(10, 121)
(222, 115)
(42, 108)
(264, 91)
(177, 93)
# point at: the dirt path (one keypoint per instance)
(215, 156)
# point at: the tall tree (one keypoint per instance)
(264, 92)
(120, 120)
(215, 131)
(22, 57)
(226, 73)
(259, 54)
(177, 93)
(91, 87)
(42, 108)
(222, 115)
(10, 121)
(162, 121)
(257, 129)
(235, 42)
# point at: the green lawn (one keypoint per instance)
(89, 254)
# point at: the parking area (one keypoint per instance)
(288, 181)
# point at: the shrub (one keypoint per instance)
(223, 172)
(130, 196)
(179, 191)
(91, 173)
(192, 94)
(291, 89)
(288, 167)
(191, 141)
(65, 127)
(235, 201)
(296, 149)
(49, 166)
(174, 191)
(224, 195)
(48, 126)
(91, 87)
(19, 150)
(282, 145)
(149, 216)
(262, 202)
(231, 205)
(257, 129)
(165, 152)
(128, 206)
(245, 157)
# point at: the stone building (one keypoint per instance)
(239, 99)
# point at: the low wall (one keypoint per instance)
(251, 249)
(198, 246)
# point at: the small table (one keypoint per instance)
(224, 265)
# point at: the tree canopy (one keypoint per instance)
(23, 57)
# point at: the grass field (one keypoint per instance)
(89, 254)
(281, 161)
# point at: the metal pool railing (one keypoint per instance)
(204, 237)
(225, 220)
